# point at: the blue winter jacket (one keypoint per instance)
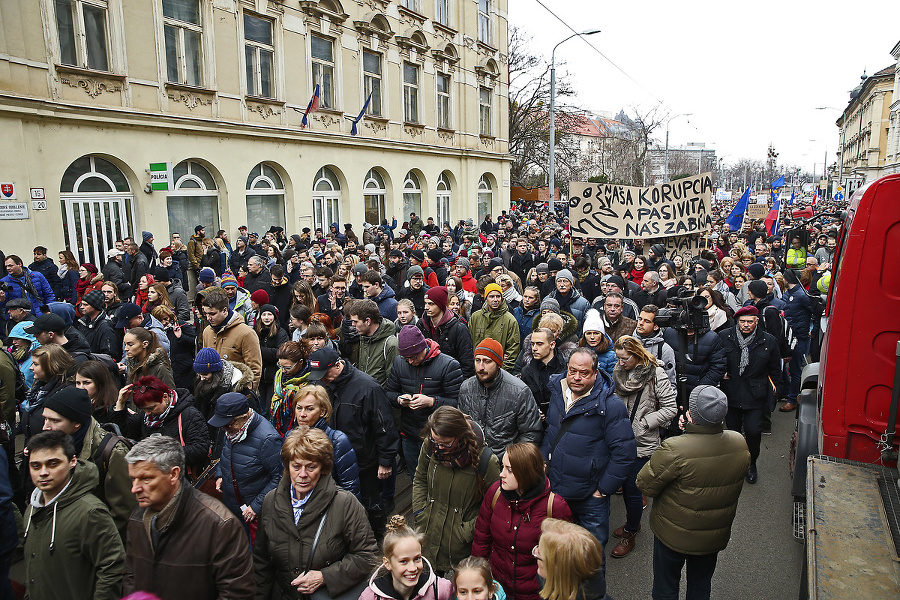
(17, 290)
(387, 304)
(607, 360)
(345, 470)
(67, 285)
(598, 448)
(525, 319)
(798, 311)
(256, 463)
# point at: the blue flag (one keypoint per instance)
(353, 130)
(791, 201)
(736, 217)
(778, 182)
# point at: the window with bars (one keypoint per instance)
(259, 54)
(484, 110)
(83, 33)
(442, 12)
(410, 93)
(484, 21)
(372, 81)
(183, 33)
(443, 100)
(323, 68)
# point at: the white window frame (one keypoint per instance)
(372, 80)
(485, 191)
(444, 197)
(442, 12)
(201, 191)
(80, 34)
(444, 102)
(485, 33)
(485, 111)
(327, 201)
(271, 186)
(411, 93)
(258, 48)
(411, 5)
(378, 190)
(412, 194)
(327, 94)
(181, 55)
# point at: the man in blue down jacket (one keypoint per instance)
(589, 444)
(422, 379)
(251, 464)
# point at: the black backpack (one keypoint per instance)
(104, 451)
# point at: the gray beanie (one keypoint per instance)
(708, 405)
(550, 304)
(542, 268)
(566, 274)
(462, 261)
(415, 271)
(359, 268)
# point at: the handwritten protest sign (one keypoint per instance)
(757, 211)
(685, 246)
(669, 209)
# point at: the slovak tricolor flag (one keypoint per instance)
(772, 219)
(312, 107)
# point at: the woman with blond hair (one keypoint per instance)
(569, 562)
(312, 408)
(324, 548)
(644, 387)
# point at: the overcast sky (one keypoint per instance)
(751, 73)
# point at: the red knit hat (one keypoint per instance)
(492, 349)
(439, 295)
(260, 297)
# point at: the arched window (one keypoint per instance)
(442, 215)
(265, 198)
(97, 210)
(374, 194)
(412, 195)
(193, 200)
(485, 197)
(326, 199)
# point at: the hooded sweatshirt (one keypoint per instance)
(72, 547)
(429, 586)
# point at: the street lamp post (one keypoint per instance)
(667, 141)
(553, 115)
(841, 153)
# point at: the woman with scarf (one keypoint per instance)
(271, 336)
(21, 345)
(52, 368)
(509, 522)
(292, 375)
(157, 295)
(719, 312)
(88, 281)
(68, 276)
(636, 274)
(596, 339)
(510, 293)
(454, 471)
(164, 411)
(141, 293)
(644, 387)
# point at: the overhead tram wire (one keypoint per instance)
(595, 49)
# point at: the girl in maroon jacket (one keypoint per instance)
(509, 523)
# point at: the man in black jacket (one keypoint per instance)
(546, 362)
(445, 328)
(258, 277)
(362, 411)
(46, 267)
(415, 289)
(652, 291)
(753, 364)
(95, 327)
(522, 261)
(422, 379)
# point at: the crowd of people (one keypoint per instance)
(208, 420)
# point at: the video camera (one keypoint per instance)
(689, 313)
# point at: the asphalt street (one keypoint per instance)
(762, 559)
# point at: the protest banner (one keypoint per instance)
(757, 211)
(675, 208)
(685, 246)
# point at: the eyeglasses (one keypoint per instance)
(439, 445)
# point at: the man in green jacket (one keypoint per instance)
(496, 321)
(695, 480)
(377, 340)
(72, 547)
(69, 411)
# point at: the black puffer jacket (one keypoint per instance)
(439, 376)
(183, 423)
(454, 339)
(709, 364)
(268, 346)
(362, 411)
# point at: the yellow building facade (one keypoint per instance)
(122, 116)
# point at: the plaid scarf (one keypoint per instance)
(156, 421)
(744, 343)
